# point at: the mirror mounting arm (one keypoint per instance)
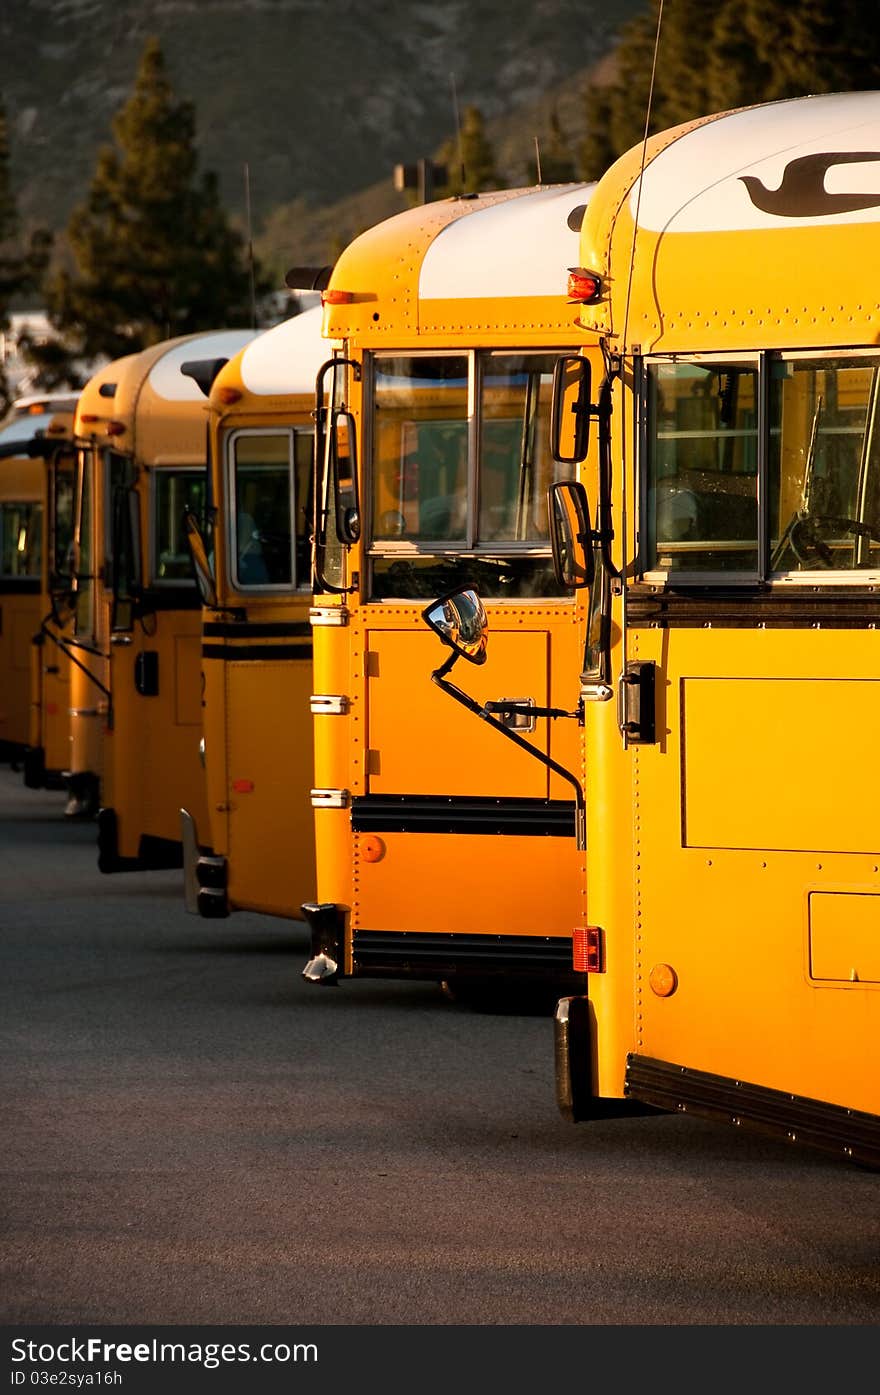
(513, 709)
(485, 712)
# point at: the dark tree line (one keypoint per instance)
(729, 54)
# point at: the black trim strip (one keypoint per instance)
(241, 653)
(171, 597)
(256, 629)
(411, 813)
(846, 1133)
(409, 953)
(19, 586)
(750, 608)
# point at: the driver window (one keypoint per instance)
(824, 455)
(270, 517)
(20, 535)
(703, 468)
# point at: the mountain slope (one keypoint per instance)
(320, 98)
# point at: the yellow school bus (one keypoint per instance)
(254, 849)
(29, 437)
(142, 434)
(433, 466)
(733, 863)
(47, 754)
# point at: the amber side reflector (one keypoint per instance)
(243, 786)
(336, 297)
(584, 286)
(586, 950)
(228, 395)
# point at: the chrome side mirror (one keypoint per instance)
(571, 534)
(460, 621)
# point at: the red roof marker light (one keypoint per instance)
(584, 286)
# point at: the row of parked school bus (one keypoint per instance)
(652, 791)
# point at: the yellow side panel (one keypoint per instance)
(56, 715)
(19, 620)
(845, 936)
(421, 741)
(153, 766)
(25, 623)
(791, 780)
(755, 878)
(472, 884)
(270, 767)
(187, 698)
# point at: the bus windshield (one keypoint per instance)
(460, 469)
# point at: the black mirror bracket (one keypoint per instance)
(485, 712)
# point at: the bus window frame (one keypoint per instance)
(747, 577)
(472, 547)
(84, 584)
(296, 585)
(167, 583)
(35, 512)
(763, 576)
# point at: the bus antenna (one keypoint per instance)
(538, 160)
(457, 117)
(632, 255)
(250, 242)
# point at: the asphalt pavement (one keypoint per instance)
(194, 1135)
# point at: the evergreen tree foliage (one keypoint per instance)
(557, 162)
(21, 263)
(737, 52)
(153, 253)
(470, 159)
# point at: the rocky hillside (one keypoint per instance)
(320, 98)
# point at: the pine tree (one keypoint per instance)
(469, 159)
(154, 253)
(21, 264)
(737, 52)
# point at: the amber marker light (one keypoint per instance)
(663, 980)
(372, 848)
(228, 395)
(337, 297)
(583, 286)
(89, 418)
(586, 950)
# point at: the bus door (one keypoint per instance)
(164, 678)
(457, 483)
(267, 658)
(21, 532)
(757, 858)
(90, 709)
(50, 685)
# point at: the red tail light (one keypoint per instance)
(586, 950)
